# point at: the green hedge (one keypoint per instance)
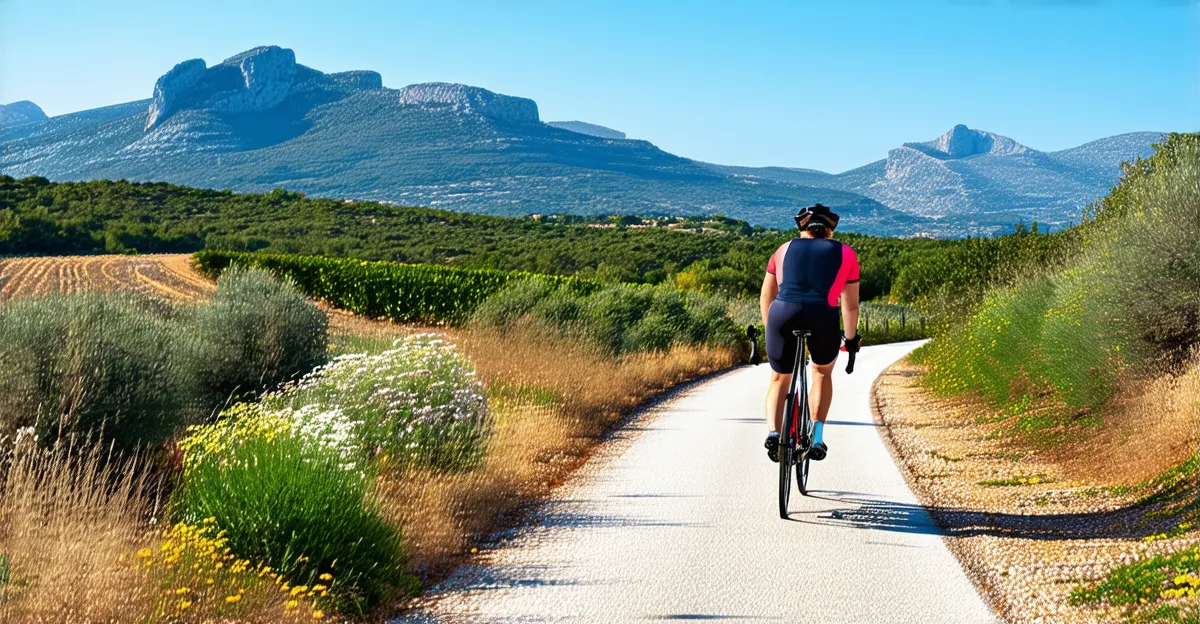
(403, 292)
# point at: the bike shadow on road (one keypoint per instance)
(855, 510)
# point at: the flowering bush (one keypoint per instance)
(288, 478)
(293, 505)
(196, 578)
(330, 430)
(417, 403)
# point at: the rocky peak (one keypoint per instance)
(19, 113)
(961, 142)
(470, 99)
(255, 80)
(583, 127)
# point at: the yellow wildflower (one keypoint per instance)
(291, 604)
(233, 599)
(326, 577)
(318, 614)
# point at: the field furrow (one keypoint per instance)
(167, 277)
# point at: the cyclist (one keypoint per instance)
(806, 277)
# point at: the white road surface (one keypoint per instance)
(677, 519)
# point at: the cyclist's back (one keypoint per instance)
(813, 270)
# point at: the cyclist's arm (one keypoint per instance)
(850, 310)
(770, 288)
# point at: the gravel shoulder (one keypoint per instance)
(1027, 531)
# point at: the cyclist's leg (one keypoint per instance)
(823, 346)
(781, 354)
(776, 397)
(821, 395)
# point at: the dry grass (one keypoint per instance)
(1161, 419)
(65, 520)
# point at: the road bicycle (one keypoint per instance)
(796, 434)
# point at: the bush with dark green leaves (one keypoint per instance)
(406, 293)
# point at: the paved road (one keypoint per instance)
(677, 519)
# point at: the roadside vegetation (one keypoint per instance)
(231, 460)
(1098, 350)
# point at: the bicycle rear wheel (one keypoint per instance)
(802, 476)
(787, 452)
(806, 428)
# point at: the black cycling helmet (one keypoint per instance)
(816, 215)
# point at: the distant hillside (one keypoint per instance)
(978, 179)
(259, 121)
(42, 217)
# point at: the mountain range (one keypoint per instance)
(260, 120)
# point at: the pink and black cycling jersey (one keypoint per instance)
(813, 270)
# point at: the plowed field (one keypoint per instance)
(167, 277)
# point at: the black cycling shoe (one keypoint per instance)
(818, 451)
(772, 445)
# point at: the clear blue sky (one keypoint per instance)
(824, 84)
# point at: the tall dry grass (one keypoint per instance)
(1160, 418)
(66, 518)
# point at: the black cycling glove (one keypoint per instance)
(853, 344)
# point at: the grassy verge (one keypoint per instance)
(1084, 361)
(1162, 588)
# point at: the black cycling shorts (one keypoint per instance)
(785, 317)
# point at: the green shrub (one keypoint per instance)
(618, 318)
(402, 292)
(1147, 252)
(255, 333)
(1128, 302)
(299, 508)
(512, 302)
(79, 364)
(135, 371)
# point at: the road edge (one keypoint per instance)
(901, 460)
(609, 445)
